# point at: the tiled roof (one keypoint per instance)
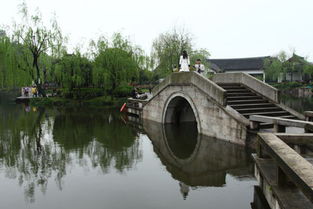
(253, 63)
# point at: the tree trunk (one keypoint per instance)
(37, 80)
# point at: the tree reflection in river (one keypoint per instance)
(43, 144)
(103, 137)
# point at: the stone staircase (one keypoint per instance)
(247, 102)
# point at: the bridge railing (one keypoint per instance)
(135, 103)
(251, 82)
(290, 165)
(280, 124)
(192, 78)
(308, 115)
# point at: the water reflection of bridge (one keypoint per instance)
(197, 160)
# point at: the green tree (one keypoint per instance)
(308, 69)
(202, 54)
(73, 71)
(35, 39)
(273, 68)
(10, 76)
(167, 48)
(297, 64)
(115, 63)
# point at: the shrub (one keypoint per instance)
(123, 90)
(287, 85)
(82, 93)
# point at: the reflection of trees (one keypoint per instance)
(25, 155)
(106, 142)
(28, 151)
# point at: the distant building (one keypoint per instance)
(296, 65)
(253, 65)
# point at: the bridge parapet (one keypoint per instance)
(192, 78)
(284, 171)
(251, 82)
(280, 124)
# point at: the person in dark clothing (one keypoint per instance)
(134, 93)
(199, 67)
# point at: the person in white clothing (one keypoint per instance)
(184, 62)
(199, 67)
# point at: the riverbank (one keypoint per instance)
(102, 101)
(89, 97)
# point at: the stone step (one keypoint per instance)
(266, 125)
(242, 97)
(237, 90)
(229, 84)
(244, 106)
(233, 87)
(240, 94)
(259, 109)
(248, 101)
(269, 113)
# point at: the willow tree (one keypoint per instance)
(73, 71)
(6, 66)
(202, 54)
(10, 76)
(115, 62)
(167, 48)
(117, 65)
(35, 39)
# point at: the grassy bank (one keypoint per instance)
(94, 97)
(102, 101)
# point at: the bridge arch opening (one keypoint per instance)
(179, 110)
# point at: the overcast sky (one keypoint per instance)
(227, 28)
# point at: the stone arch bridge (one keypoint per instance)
(221, 106)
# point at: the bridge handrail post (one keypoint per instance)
(308, 115)
(279, 128)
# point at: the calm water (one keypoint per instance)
(94, 158)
